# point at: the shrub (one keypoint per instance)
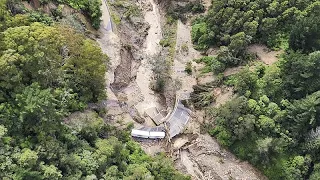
(188, 68)
(217, 67)
(90, 7)
(198, 8)
(164, 42)
(184, 47)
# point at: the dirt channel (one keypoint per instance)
(131, 49)
(131, 46)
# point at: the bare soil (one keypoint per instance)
(130, 51)
(184, 53)
(118, 77)
(264, 53)
(194, 153)
(205, 159)
(233, 70)
(151, 48)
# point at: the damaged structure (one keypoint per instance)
(175, 123)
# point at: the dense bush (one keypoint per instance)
(212, 64)
(178, 11)
(236, 24)
(305, 33)
(262, 20)
(89, 7)
(57, 63)
(274, 119)
(272, 122)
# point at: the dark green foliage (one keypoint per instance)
(316, 172)
(199, 36)
(212, 64)
(273, 123)
(26, 61)
(301, 73)
(68, 156)
(245, 81)
(261, 20)
(226, 57)
(40, 17)
(234, 25)
(179, 12)
(197, 8)
(305, 35)
(4, 15)
(303, 116)
(296, 167)
(89, 7)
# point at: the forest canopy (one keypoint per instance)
(274, 120)
(233, 25)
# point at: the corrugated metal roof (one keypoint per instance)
(178, 119)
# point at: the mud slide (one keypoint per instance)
(205, 159)
(130, 71)
(151, 49)
(191, 167)
(110, 45)
(184, 53)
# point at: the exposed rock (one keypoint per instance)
(48, 8)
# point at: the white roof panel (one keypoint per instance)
(135, 132)
(154, 134)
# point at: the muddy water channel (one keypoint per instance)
(151, 49)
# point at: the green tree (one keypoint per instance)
(250, 28)
(37, 111)
(316, 172)
(264, 148)
(4, 15)
(28, 158)
(87, 162)
(37, 60)
(238, 43)
(137, 171)
(305, 35)
(297, 167)
(246, 81)
(303, 115)
(300, 73)
(112, 173)
(51, 172)
(86, 68)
